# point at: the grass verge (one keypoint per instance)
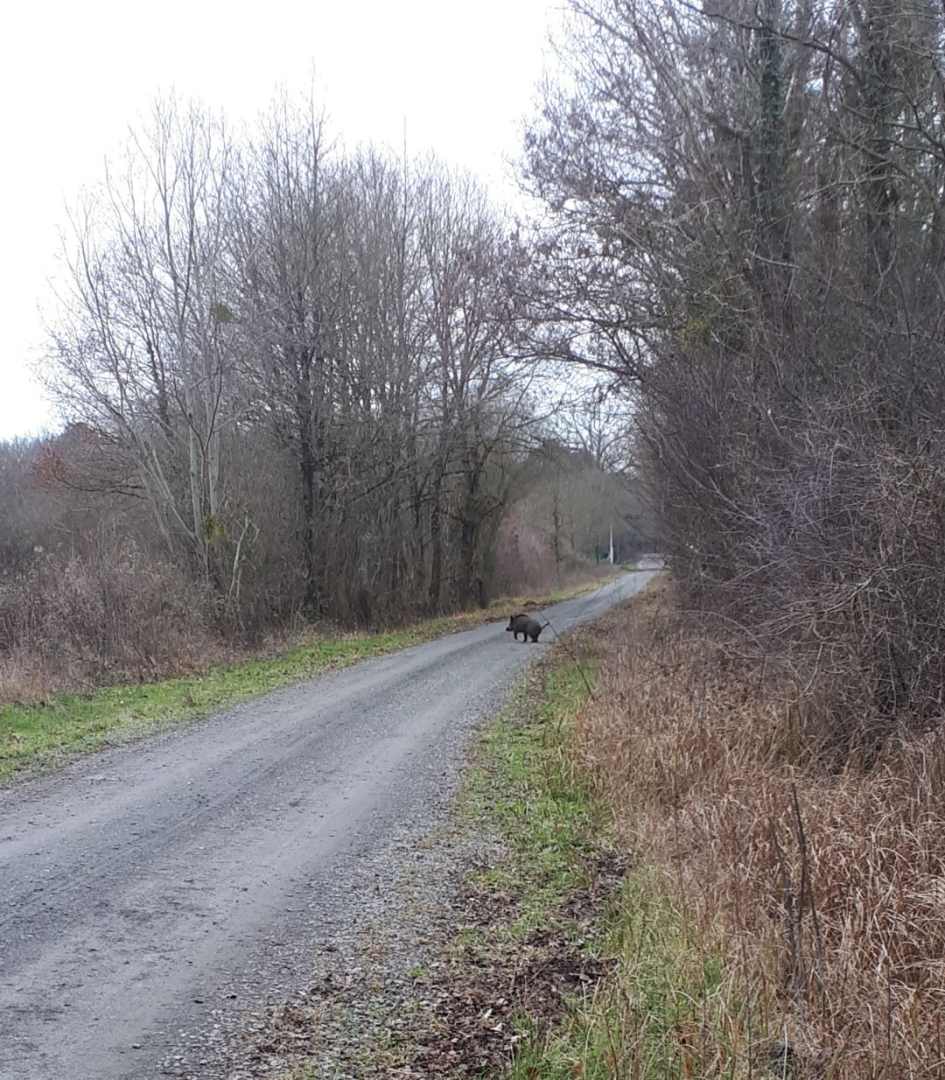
(571, 962)
(663, 986)
(529, 938)
(42, 734)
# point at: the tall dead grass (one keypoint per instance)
(823, 885)
(115, 615)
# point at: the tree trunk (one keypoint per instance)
(436, 547)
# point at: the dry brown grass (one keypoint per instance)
(71, 623)
(823, 887)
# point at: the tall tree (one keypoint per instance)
(143, 352)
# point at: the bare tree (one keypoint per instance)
(743, 230)
(312, 360)
(478, 390)
(143, 351)
(283, 236)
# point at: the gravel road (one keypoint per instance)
(148, 891)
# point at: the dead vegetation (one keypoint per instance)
(478, 999)
(821, 885)
(115, 616)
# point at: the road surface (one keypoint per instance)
(146, 890)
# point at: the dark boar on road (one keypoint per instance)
(526, 626)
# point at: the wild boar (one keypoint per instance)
(525, 625)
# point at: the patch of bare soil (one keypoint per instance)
(481, 995)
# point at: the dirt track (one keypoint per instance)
(148, 891)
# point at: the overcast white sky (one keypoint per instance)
(74, 75)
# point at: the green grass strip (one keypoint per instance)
(665, 1013)
(666, 1010)
(526, 789)
(38, 734)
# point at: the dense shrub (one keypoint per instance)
(745, 233)
(72, 621)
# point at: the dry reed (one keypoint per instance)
(822, 885)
